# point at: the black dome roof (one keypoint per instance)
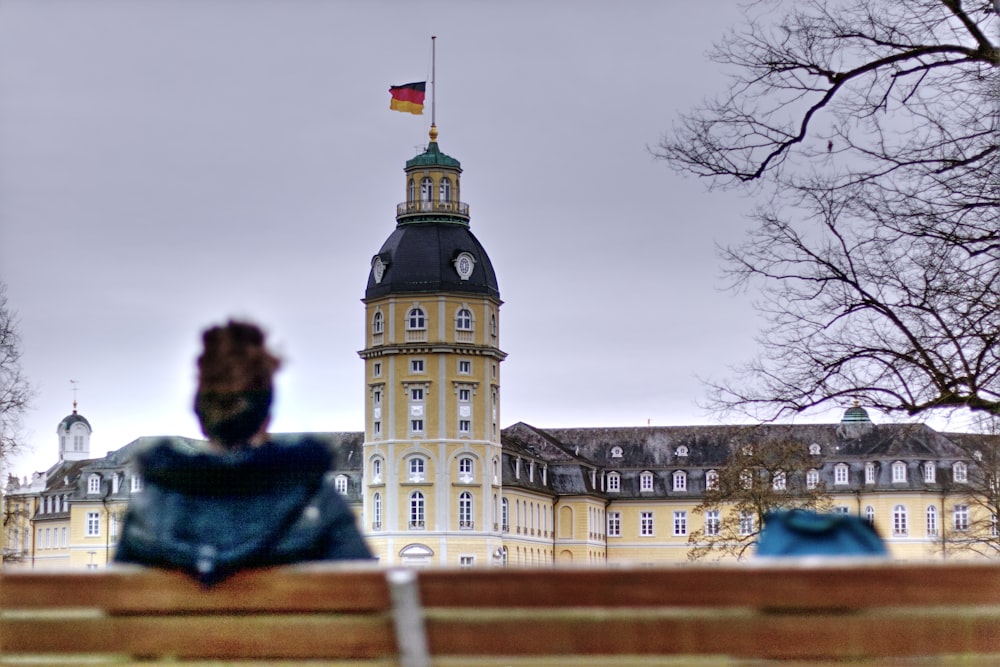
(74, 418)
(419, 258)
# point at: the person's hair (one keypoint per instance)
(235, 382)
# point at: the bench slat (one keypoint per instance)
(137, 590)
(738, 633)
(206, 637)
(784, 586)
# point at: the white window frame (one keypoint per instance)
(646, 525)
(136, 484)
(93, 525)
(713, 522)
(340, 484)
(418, 511)
(464, 367)
(465, 511)
(463, 320)
(680, 523)
(417, 468)
(614, 524)
(93, 484)
(841, 474)
(646, 481)
(466, 467)
(960, 518)
(711, 480)
(870, 471)
(932, 521)
(746, 523)
(679, 478)
(870, 514)
(898, 472)
(900, 521)
(417, 366)
(930, 472)
(378, 322)
(614, 482)
(812, 478)
(960, 472)
(779, 481)
(377, 511)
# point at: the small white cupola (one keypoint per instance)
(74, 437)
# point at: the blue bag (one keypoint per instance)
(800, 532)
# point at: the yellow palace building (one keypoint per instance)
(434, 480)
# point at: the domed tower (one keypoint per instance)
(74, 437)
(432, 374)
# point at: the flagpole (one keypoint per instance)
(433, 79)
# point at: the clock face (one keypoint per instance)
(464, 264)
(378, 269)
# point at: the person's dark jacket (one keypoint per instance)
(211, 514)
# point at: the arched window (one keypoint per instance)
(417, 469)
(932, 520)
(465, 469)
(463, 319)
(960, 472)
(444, 190)
(505, 515)
(617, 452)
(870, 514)
(377, 511)
(680, 480)
(426, 188)
(416, 319)
(614, 482)
(899, 523)
(377, 470)
(465, 510)
(711, 480)
(411, 191)
(416, 510)
(377, 323)
(815, 449)
(682, 451)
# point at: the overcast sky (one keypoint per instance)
(165, 165)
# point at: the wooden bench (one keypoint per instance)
(763, 613)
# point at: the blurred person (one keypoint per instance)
(242, 501)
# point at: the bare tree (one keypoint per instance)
(870, 131)
(759, 477)
(15, 390)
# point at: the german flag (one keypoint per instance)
(408, 98)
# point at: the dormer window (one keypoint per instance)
(870, 472)
(680, 480)
(841, 474)
(815, 449)
(812, 478)
(960, 472)
(646, 481)
(340, 484)
(898, 471)
(616, 452)
(614, 482)
(930, 471)
(94, 484)
(682, 451)
(711, 480)
(779, 481)
(136, 483)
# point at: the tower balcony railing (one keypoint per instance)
(430, 207)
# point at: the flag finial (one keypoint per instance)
(434, 133)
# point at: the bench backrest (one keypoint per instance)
(363, 615)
